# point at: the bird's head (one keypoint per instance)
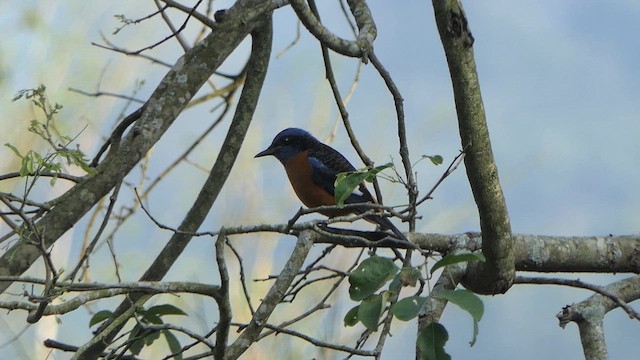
(288, 143)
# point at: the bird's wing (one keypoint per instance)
(327, 163)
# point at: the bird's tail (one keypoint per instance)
(386, 224)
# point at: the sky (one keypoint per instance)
(560, 85)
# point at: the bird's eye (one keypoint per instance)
(286, 140)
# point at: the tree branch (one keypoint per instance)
(163, 107)
(434, 307)
(359, 48)
(497, 273)
(589, 315)
(273, 297)
(224, 305)
(581, 285)
(257, 67)
(102, 291)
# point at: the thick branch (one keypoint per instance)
(537, 253)
(497, 274)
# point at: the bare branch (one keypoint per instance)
(256, 71)
(106, 93)
(183, 43)
(168, 100)
(64, 176)
(273, 297)
(243, 278)
(89, 249)
(359, 48)
(582, 285)
(320, 343)
(224, 305)
(589, 315)
(97, 291)
(191, 11)
(412, 189)
(452, 167)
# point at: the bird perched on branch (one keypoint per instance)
(312, 168)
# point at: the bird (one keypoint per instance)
(312, 168)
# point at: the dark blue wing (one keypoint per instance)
(327, 163)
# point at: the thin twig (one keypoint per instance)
(64, 176)
(183, 43)
(243, 278)
(173, 33)
(452, 167)
(320, 343)
(89, 249)
(106, 93)
(191, 11)
(412, 189)
(582, 285)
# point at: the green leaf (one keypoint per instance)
(396, 285)
(457, 258)
(137, 341)
(408, 308)
(431, 341)
(351, 318)
(370, 276)
(347, 182)
(99, 317)
(153, 336)
(174, 344)
(467, 301)
(409, 276)
(165, 309)
(373, 172)
(370, 310)
(150, 318)
(28, 164)
(14, 149)
(435, 159)
(37, 127)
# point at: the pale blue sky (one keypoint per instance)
(560, 82)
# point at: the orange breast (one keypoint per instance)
(299, 171)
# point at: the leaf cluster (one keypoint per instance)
(375, 272)
(140, 336)
(34, 163)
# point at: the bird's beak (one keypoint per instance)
(266, 152)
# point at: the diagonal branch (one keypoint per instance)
(171, 96)
(257, 67)
(273, 297)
